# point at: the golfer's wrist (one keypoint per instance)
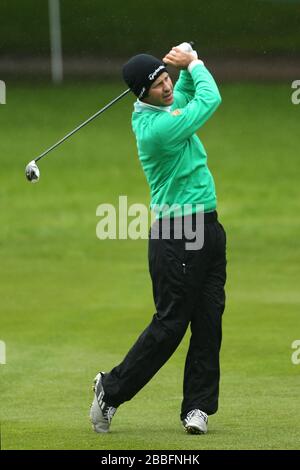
(193, 63)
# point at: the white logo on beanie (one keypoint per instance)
(142, 92)
(153, 75)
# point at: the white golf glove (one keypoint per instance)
(186, 47)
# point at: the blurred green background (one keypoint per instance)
(119, 28)
(71, 304)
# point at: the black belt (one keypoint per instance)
(210, 217)
(191, 220)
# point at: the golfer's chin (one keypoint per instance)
(168, 100)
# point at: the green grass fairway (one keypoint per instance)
(72, 305)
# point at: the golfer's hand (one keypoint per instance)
(178, 58)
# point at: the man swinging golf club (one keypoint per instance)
(188, 285)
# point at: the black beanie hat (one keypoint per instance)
(141, 71)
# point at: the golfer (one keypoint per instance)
(188, 284)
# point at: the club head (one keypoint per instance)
(32, 172)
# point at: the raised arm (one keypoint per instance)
(178, 126)
(184, 89)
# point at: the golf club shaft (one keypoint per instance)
(82, 125)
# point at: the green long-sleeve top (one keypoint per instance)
(171, 154)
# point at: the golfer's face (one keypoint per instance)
(161, 91)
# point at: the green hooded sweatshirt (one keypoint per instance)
(171, 154)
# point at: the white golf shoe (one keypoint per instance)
(101, 414)
(196, 422)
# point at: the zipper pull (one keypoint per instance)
(184, 266)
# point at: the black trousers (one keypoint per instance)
(188, 288)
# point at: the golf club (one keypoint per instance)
(32, 171)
